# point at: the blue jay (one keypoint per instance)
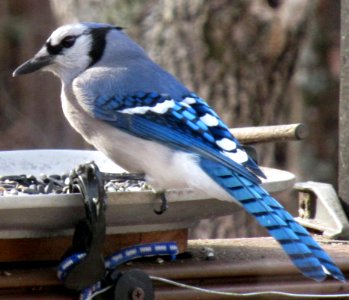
(147, 121)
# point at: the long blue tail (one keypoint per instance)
(302, 249)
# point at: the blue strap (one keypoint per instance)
(68, 264)
(117, 259)
(143, 250)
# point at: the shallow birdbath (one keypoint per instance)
(43, 222)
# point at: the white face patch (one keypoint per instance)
(159, 108)
(226, 144)
(209, 120)
(72, 60)
(66, 30)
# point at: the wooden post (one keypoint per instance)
(268, 134)
(343, 180)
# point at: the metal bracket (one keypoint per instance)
(320, 209)
(90, 232)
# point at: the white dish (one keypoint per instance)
(56, 215)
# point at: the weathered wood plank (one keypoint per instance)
(50, 249)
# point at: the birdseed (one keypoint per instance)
(20, 185)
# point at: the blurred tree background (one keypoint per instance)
(257, 62)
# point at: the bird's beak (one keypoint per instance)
(40, 60)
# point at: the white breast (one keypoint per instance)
(131, 153)
(164, 167)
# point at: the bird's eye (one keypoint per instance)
(68, 41)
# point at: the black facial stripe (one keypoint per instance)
(97, 47)
(98, 43)
(58, 49)
(53, 50)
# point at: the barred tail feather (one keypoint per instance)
(304, 236)
(301, 248)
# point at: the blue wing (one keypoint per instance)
(189, 125)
